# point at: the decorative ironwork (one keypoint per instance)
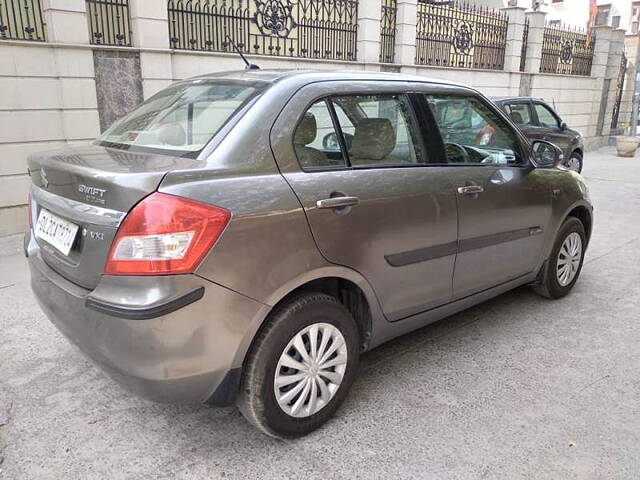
(451, 34)
(567, 51)
(523, 51)
(294, 28)
(619, 90)
(21, 20)
(109, 22)
(388, 30)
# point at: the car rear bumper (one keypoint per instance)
(146, 336)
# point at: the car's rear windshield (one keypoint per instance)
(181, 119)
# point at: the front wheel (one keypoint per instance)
(565, 263)
(574, 162)
(301, 366)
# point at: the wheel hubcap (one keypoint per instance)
(569, 259)
(573, 164)
(310, 370)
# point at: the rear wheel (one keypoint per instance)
(574, 162)
(301, 366)
(565, 263)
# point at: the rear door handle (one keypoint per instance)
(470, 190)
(337, 202)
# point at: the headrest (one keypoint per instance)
(373, 139)
(306, 131)
(516, 117)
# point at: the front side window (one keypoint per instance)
(180, 119)
(473, 133)
(520, 113)
(545, 117)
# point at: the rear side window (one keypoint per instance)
(358, 131)
(473, 133)
(545, 117)
(520, 113)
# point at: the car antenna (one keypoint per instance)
(249, 66)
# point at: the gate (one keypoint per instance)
(619, 89)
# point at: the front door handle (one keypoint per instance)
(470, 190)
(337, 202)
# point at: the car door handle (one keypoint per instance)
(470, 190)
(337, 202)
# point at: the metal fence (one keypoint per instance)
(566, 51)
(523, 51)
(619, 90)
(388, 30)
(451, 34)
(307, 28)
(21, 20)
(109, 22)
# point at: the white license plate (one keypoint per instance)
(56, 231)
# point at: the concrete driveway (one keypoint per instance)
(519, 387)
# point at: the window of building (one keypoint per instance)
(602, 17)
(615, 21)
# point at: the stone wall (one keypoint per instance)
(66, 91)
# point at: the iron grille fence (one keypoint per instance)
(21, 20)
(388, 30)
(523, 51)
(567, 51)
(305, 28)
(451, 34)
(619, 90)
(109, 22)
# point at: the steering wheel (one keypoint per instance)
(460, 150)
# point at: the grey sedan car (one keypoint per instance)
(538, 121)
(242, 238)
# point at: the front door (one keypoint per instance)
(502, 210)
(549, 127)
(360, 169)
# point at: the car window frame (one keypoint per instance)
(431, 126)
(549, 109)
(328, 99)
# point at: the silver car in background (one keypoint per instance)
(244, 237)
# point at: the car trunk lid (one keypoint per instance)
(92, 187)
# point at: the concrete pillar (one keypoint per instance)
(149, 23)
(66, 21)
(369, 14)
(534, 41)
(515, 31)
(604, 34)
(406, 19)
(630, 95)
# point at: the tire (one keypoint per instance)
(551, 285)
(257, 399)
(574, 162)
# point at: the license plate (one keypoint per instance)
(56, 231)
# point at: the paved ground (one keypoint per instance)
(519, 387)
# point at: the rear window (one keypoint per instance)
(181, 119)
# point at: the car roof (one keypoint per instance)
(515, 98)
(312, 76)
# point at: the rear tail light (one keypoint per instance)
(165, 234)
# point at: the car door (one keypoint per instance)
(549, 127)
(502, 209)
(358, 164)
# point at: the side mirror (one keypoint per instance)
(563, 125)
(545, 154)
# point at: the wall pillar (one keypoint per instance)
(534, 41)
(369, 14)
(66, 21)
(603, 85)
(406, 19)
(149, 24)
(515, 32)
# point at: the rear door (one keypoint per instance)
(353, 154)
(502, 209)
